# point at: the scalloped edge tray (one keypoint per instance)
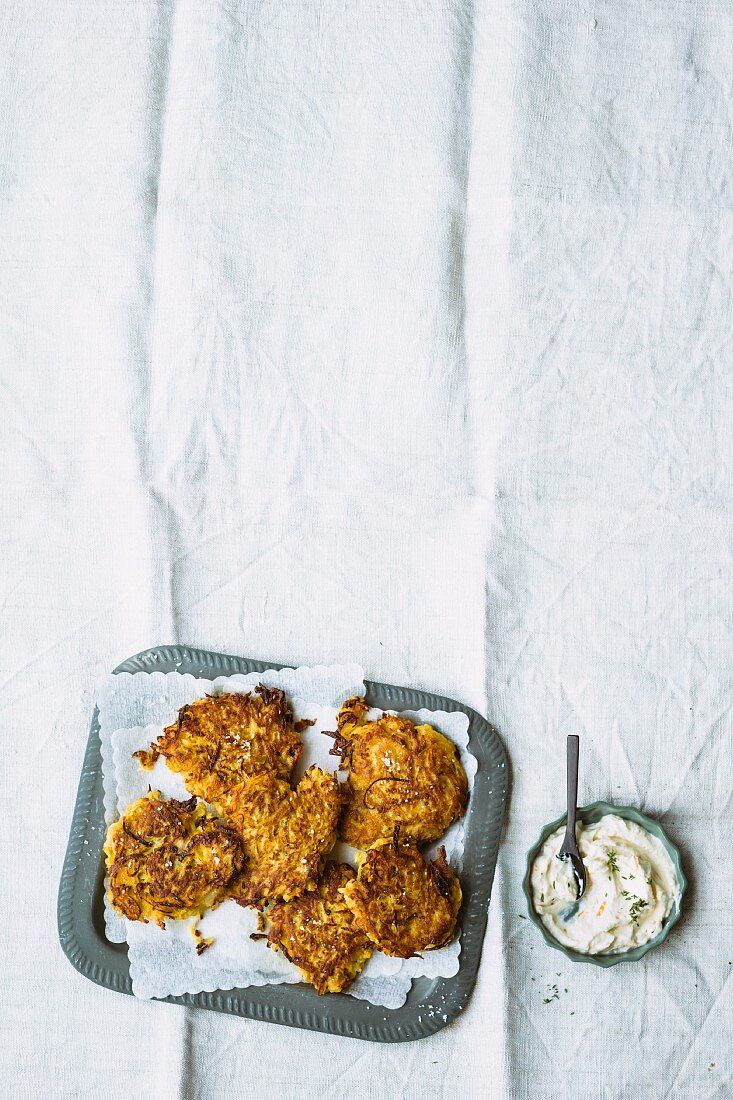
(431, 1003)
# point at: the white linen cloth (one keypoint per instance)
(277, 282)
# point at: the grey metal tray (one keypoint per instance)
(431, 1003)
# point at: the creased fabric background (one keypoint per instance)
(391, 332)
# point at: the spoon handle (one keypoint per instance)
(573, 753)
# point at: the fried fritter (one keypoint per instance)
(399, 774)
(285, 832)
(218, 741)
(317, 932)
(404, 904)
(169, 859)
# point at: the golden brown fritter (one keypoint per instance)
(286, 833)
(169, 859)
(404, 904)
(399, 774)
(318, 934)
(218, 741)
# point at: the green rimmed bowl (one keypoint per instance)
(589, 815)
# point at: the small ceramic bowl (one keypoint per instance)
(589, 815)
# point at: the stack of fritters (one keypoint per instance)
(267, 841)
(237, 751)
(406, 786)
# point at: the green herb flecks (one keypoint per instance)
(636, 908)
(611, 861)
(553, 994)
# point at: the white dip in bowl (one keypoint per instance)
(631, 886)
